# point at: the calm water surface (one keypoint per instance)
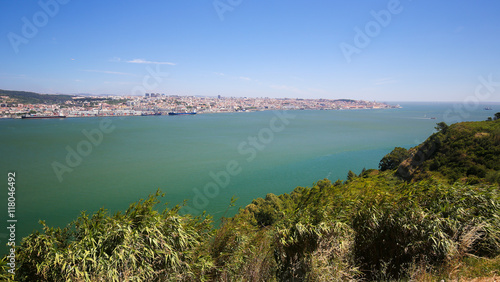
(191, 157)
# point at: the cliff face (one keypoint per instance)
(468, 151)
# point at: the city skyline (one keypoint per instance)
(376, 51)
(161, 104)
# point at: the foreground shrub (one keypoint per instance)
(323, 252)
(138, 245)
(425, 223)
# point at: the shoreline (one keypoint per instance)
(139, 113)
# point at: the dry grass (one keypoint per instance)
(481, 134)
(483, 279)
(333, 261)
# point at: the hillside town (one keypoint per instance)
(162, 104)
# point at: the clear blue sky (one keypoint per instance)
(426, 51)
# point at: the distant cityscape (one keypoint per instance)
(162, 104)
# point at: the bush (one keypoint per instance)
(140, 244)
(393, 159)
(425, 223)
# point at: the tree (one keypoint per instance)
(441, 127)
(351, 175)
(497, 116)
(393, 159)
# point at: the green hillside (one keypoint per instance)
(429, 213)
(468, 152)
(23, 97)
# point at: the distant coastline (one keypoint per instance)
(15, 104)
(141, 114)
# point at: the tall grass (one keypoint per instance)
(140, 244)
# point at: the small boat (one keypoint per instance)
(176, 114)
(487, 109)
(41, 117)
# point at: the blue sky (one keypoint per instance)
(415, 50)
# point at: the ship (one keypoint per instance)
(41, 117)
(176, 114)
(151, 114)
(488, 109)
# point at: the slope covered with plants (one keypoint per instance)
(467, 152)
(24, 97)
(411, 219)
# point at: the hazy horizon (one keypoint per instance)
(213, 96)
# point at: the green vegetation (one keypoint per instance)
(393, 159)
(138, 245)
(441, 126)
(117, 101)
(351, 175)
(345, 100)
(467, 152)
(22, 97)
(100, 100)
(431, 216)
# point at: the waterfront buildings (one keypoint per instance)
(90, 106)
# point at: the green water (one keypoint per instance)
(138, 155)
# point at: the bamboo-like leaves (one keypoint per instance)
(138, 245)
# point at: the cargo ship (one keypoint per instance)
(177, 114)
(40, 117)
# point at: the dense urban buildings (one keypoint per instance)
(156, 103)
